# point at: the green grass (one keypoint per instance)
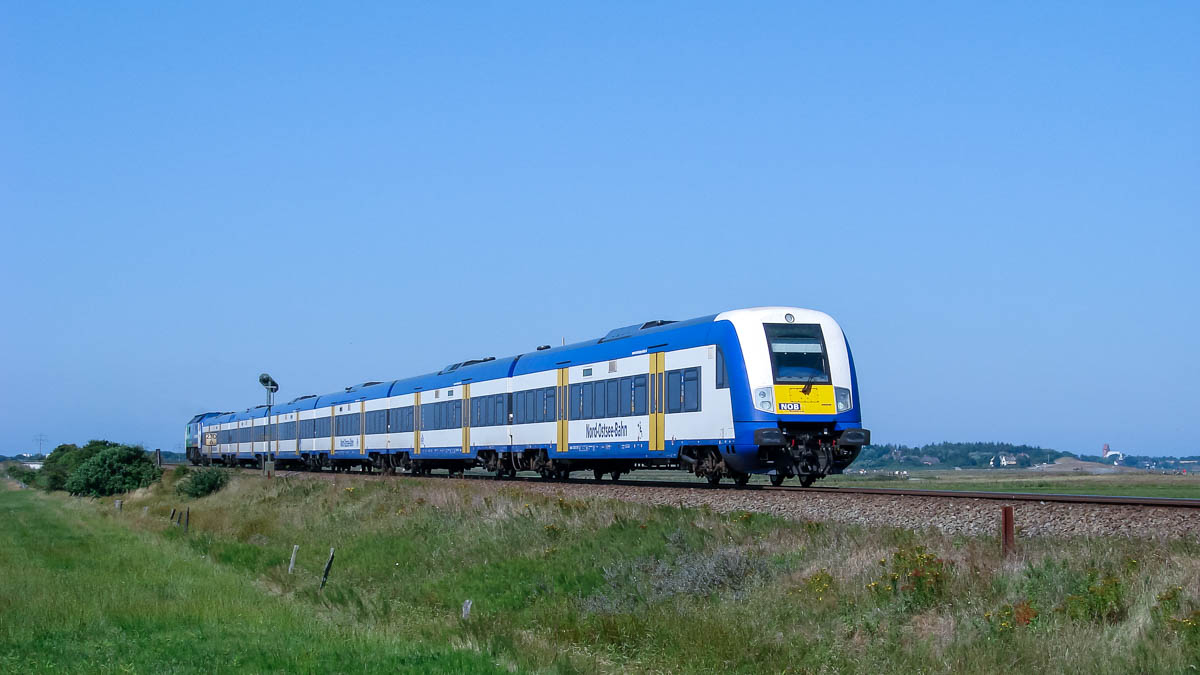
(564, 585)
(81, 593)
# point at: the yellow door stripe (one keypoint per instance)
(417, 424)
(466, 419)
(362, 428)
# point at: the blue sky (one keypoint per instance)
(997, 201)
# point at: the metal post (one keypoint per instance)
(292, 564)
(1007, 531)
(328, 565)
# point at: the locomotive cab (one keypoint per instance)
(803, 394)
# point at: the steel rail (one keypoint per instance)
(1110, 500)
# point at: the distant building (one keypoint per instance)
(1003, 460)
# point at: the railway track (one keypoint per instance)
(1104, 500)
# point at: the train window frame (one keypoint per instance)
(674, 394)
(586, 402)
(691, 376)
(641, 394)
(722, 373)
(774, 331)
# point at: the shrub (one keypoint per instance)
(1103, 601)
(202, 483)
(1011, 617)
(65, 459)
(916, 576)
(22, 473)
(113, 470)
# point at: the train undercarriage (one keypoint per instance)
(793, 452)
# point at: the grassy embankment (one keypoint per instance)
(563, 585)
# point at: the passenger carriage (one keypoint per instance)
(765, 390)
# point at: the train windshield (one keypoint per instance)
(797, 353)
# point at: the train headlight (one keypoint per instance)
(764, 399)
(841, 396)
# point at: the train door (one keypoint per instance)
(657, 416)
(417, 423)
(563, 440)
(362, 428)
(466, 419)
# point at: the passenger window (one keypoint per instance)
(625, 396)
(613, 409)
(674, 391)
(691, 390)
(639, 394)
(598, 407)
(501, 413)
(550, 413)
(722, 374)
(585, 411)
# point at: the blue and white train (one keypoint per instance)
(765, 390)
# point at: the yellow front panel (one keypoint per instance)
(815, 399)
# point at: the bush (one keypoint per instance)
(202, 483)
(1103, 601)
(65, 459)
(113, 470)
(916, 576)
(22, 473)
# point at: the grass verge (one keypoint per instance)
(569, 585)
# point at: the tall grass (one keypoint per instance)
(571, 585)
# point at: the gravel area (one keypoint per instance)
(950, 515)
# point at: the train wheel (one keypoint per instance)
(545, 473)
(599, 474)
(777, 479)
(616, 476)
(741, 479)
(714, 479)
(807, 481)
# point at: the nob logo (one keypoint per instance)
(789, 407)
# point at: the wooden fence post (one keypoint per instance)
(172, 514)
(1008, 537)
(187, 519)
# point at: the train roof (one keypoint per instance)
(619, 343)
(616, 343)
